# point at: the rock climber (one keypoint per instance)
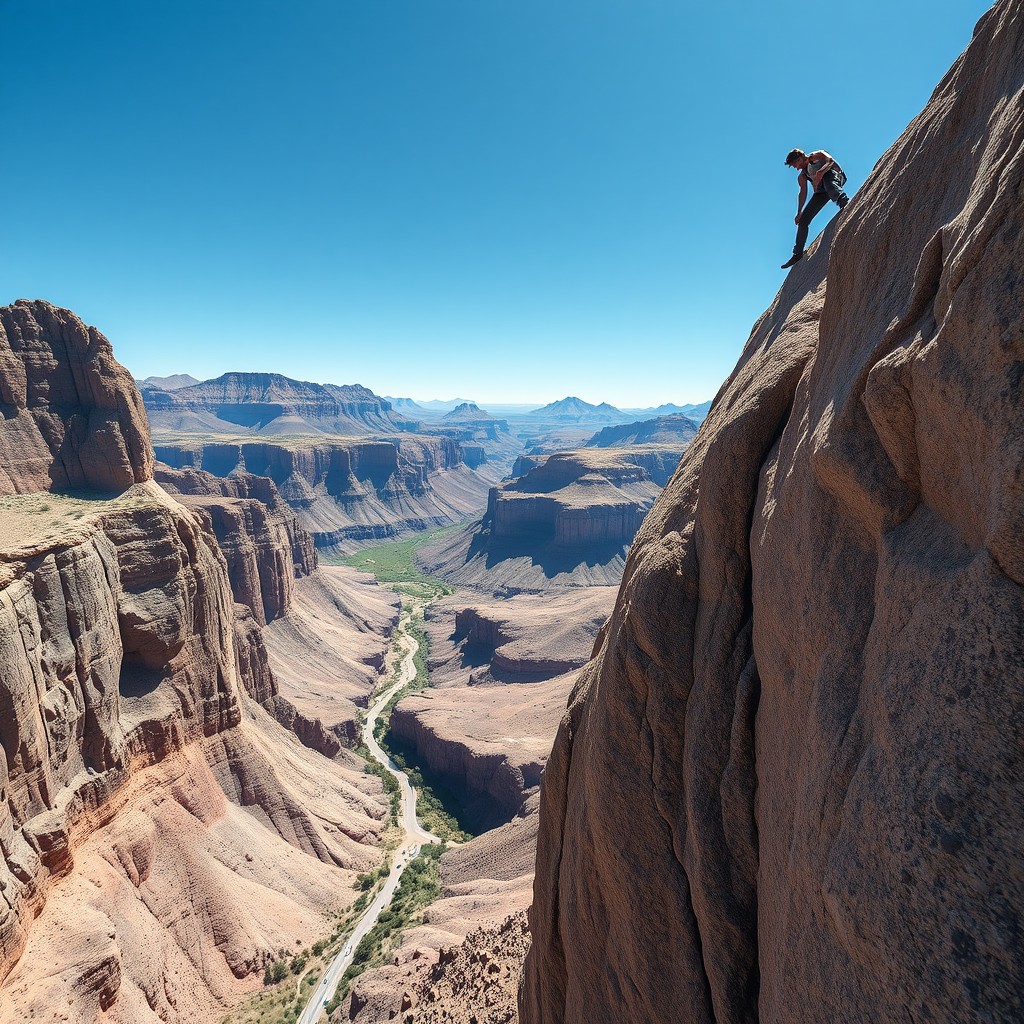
(828, 179)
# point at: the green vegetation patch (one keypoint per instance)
(420, 885)
(395, 562)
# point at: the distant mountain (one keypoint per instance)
(464, 412)
(270, 403)
(172, 383)
(437, 405)
(406, 406)
(697, 413)
(575, 410)
(673, 430)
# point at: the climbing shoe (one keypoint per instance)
(793, 260)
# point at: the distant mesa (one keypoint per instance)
(567, 521)
(172, 383)
(662, 430)
(270, 403)
(575, 410)
(466, 411)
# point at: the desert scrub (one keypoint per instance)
(419, 887)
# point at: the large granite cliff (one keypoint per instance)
(789, 786)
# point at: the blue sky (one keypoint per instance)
(508, 200)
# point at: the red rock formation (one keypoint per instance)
(346, 490)
(789, 786)
(265, 548)
(126, 668)
(72, 416)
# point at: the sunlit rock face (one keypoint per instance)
(139, 750)
(789, 786)
(72, 415)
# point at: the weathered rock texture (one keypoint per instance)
(790, 785)
(147, 800)
(347, 490)
(568, 520)
(71, 415)
(265, 548)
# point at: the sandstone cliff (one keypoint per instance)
(790, 785)
(346, 490)
(567, 520)
(139, 770)
(265, 548)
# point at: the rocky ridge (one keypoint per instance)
(789, 785)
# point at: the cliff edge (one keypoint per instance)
(789, 786)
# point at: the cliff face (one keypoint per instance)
(348, 490)
(789, 786)
(72, 416)
(130, 693)
(117, 647)
(265, 548)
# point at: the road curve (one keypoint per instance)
(415, 837)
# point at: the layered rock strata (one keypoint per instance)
(139, 771)
(348, 490)
(265, 548)
(270, 403)
(568, 520)
(789, 786)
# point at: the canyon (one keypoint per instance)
(732, 709)
(145, 768)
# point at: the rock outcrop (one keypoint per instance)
(72, 416)
(265, 548)
(790, 785)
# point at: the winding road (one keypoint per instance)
(415, 837)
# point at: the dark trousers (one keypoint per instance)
(831, 188)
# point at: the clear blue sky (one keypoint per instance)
(508, 200)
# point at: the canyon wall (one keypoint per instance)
(265, 548)
(346, 490)
(138, 762)
(789, 785)
(271, 403)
